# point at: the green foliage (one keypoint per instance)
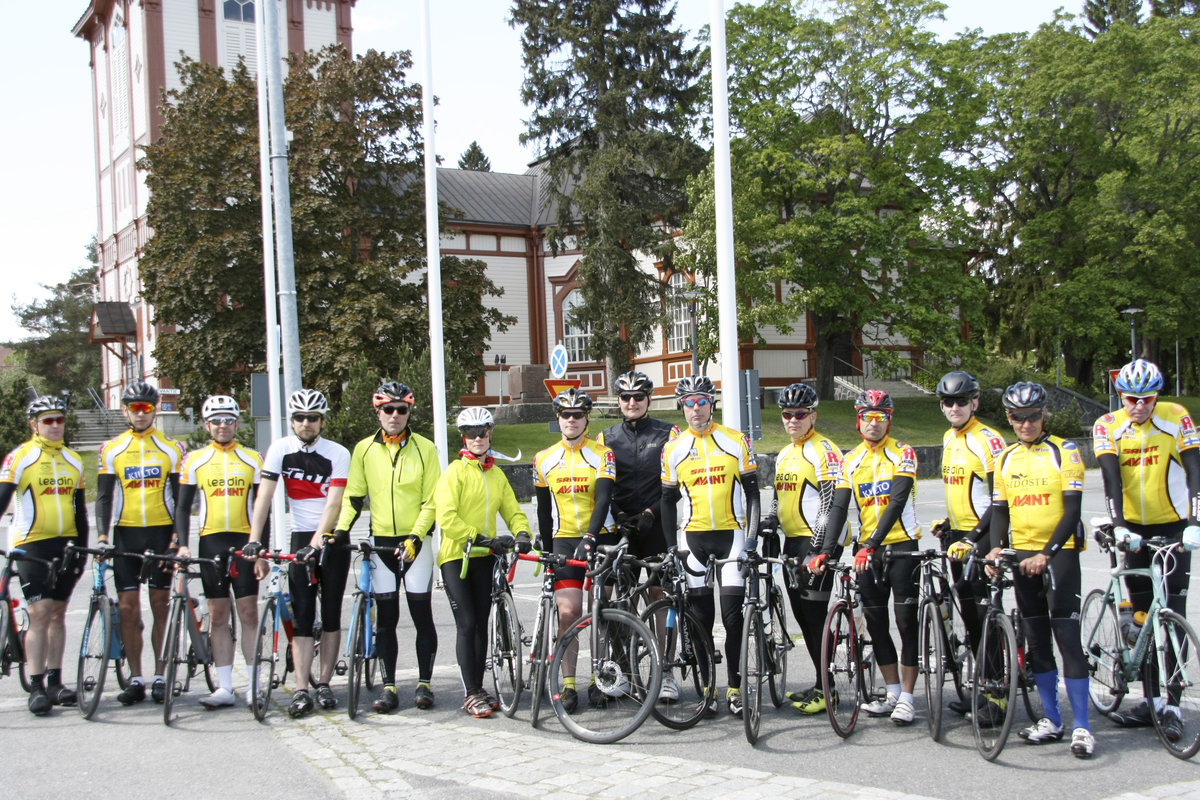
(611, 87)
(357, 200)
(59, 356)
(1175, 8)
(14, 428)
(1067, 422)
(1102, 14)
(474, 159)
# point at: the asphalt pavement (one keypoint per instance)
(445, 753)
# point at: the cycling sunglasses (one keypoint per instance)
(788, 416)
(693, 402)
(635, 398)
(571, 415)
(951, 402)
(306, 417)
(1032, 416)
(476, 431)
(1138, 400)
(874, 416)
(390, 410)
(141, 408)
(223, 420)
(52, 420)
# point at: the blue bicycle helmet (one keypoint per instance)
(1139, 377)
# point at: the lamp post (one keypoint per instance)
(692, 296)
(1132, 314)
(500, 361)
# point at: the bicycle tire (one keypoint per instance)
(687, 656)
(932, 664)
(372, 667)
(173, 649)
(358, 656)
(841, 672)
(1103, 647)
(752, 664)
(778, 642)
(625, 667)
(1181, 664)
(116, 645)
(504, 635)
(93, 658)
(1030, 697)
(8, 641)
(539, 656)
(956, 644)
(266, 648)
(995, 677)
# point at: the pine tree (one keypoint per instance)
(1175, 8)
(1101, 14)
(474, 159)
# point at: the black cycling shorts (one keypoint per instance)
(216, 582)
(572, 577)
(35, 577)
(156, 539)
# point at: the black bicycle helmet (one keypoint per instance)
(634, 381)
(139, 392)
(695, 384)
(392, 392)
(1024, 394)
(799, 395)
(573, 399)
(958, 384)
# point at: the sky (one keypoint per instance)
(48, 206)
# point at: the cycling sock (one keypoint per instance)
(908, 696)
(54, 677)
(138, 679)
(1077, 693)
(1047, 687)
(225, 677)
(894, 689)
(37, 681)
(569, 683)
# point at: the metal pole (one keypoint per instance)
(288, 315)
(268, 235)
(437, 366)
(723, 189)
(695, 355)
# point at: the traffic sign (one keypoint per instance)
(555, 386)
(558, 362)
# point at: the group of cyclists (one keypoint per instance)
(642, 480)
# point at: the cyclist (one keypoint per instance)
(46, 477)
(314, 472)
(712, 468)
(969, 452)
(225, 476)
(806, 471)
(1149, 456)
(1035, 511)
(637, 445)
(468, 496)
(880, 474)
(573, 484)
(398, 469)
(138, 482)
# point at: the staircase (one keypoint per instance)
(96, 426)
(848, 388)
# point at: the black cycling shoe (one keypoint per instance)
(423, 697)
(301, 705)
(570, 700)
(1136, 717)
(60, 695)
(135, 692)
(387, 701)
(325, 697)
(1172, 726)
(39, 703)
(597, 698)
(158, 690)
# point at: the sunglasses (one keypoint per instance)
(571, 415)
(874, 416)
(52, 420)
(693, 402)
(223, 420)
(141, 408)
(788, 416)
(1018, 419)
(306, 417)
(632, 398)
(476, 432)
(951, 402)
(390, 410)
(1136, 400)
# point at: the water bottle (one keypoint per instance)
(1127, 622)
(286, 606)
(200, 610)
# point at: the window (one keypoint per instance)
(239, 36)
(577, 336)
(239, 10)
(679, 315)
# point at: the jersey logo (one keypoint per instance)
(875, 489)
(1075, 485)
(1031, 500)
(142, 473)
(996, 445)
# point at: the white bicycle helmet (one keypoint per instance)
(45, 403)
(307, 401)
(1139, 377)
(472, 416)
(218, 405)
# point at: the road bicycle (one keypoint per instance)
(615, 649)
(14, 616)
(996, 678)
(360, 644)
(274, 631)
(545, 627)
(765, 639)
(688, 657)
(1164, 650)
(101, 641)
(187, 645)
(504, 626)
(849, 674)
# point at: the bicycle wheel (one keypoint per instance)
(372, 668)
(956, 645)
(995, 684)
(8, 643)
(1030, 697)
(1178, 660)
(841, 676)
(539, 656)
(262, 674)
(358, 655)
(1103, 648)
(93, 658)
(689, 668)
(778, 643)
(175, 652)
(752, 665)
(120, 661)
(505, 656)
(622, 662)
(932, 664)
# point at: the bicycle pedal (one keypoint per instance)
(340, 668)
(527, 641)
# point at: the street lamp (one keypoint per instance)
(692, 296)
(500, 361)
(1132, 314)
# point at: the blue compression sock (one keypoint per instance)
(1047, 687)
(1077, 693)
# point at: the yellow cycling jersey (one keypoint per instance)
(706, 467)
(225, 477)
(968, 457)
(868, 471)
(571, 473)
(45, 476)
(399, 474)
(467, 498)
(141, 463)
(1031, 480)
(1153, 481)
(799, 469)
